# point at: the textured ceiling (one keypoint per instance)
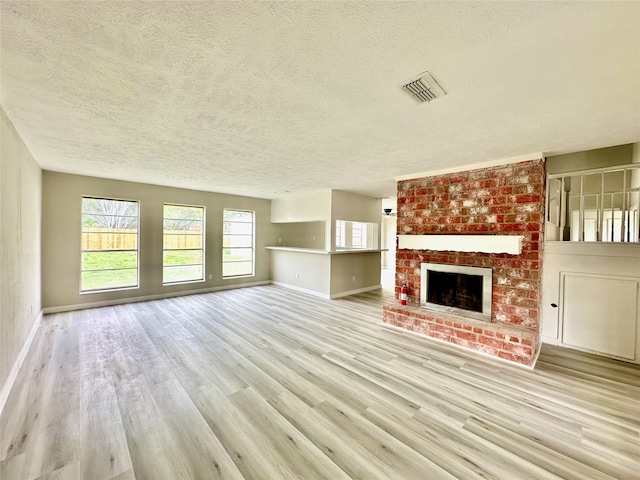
(265, 98)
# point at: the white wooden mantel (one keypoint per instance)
(510, 244)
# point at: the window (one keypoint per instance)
(109, 255)
(356, 235)
(238, 243)
(599, 205)
(183, 244)
(359, 235)
(341, 241)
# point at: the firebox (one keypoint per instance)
(461, 290)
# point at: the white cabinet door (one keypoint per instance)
(599, 313)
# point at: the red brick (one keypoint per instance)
(494, 342)
(508, 356)
(444, 329)
(517, 349)
(466, 335)
(486, 349)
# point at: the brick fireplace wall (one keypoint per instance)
(503, 200)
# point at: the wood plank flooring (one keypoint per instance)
(266, 383)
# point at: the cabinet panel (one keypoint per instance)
(599, 313)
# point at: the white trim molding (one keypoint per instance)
(325, 295)
(8, 384)
(354, 292)
(301, 289)
(510, 244)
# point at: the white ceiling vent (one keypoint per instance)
(422, 88)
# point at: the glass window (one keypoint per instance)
(238, 243)
(183, 244)
(109, 244)
(356, 235)
(340, 234)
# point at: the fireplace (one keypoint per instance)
(464, 291)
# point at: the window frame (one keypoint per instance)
(202, 245)
(361, 236)
(252, 247)
(83, 251)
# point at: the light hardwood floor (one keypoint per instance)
(266, 383)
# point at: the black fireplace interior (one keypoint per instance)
(455, 290)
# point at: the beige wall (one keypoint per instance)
(601, 157)
(354, 271)
(353, 208)
(310, 272)
(388, 237)
(62, 195)
(20, 219)
(300, 234)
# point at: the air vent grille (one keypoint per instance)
(423, 88)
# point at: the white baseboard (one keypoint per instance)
(300, 289)
(146, 298)
(8, 384)
(353, 292)
(325, 295)
(550, 340)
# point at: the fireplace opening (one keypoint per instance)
(461, 290)
(455, 290)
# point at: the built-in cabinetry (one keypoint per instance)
(303, 207)
(591, 262)
(591, 297)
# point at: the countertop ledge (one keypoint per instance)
(323, 252)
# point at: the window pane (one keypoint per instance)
(106, 279)
(107, 260)
(183, 212)
(108, 206)
(109, 241)
(237, 268)
(238, 216)
(237, 241)
(182, 273)
(183, 243)
(109, 257)
(237, 254)
(182, 226)
(182, 257)
(238, 228)
(102, 224)
(179, 241)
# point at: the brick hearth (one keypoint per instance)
(505, 200)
